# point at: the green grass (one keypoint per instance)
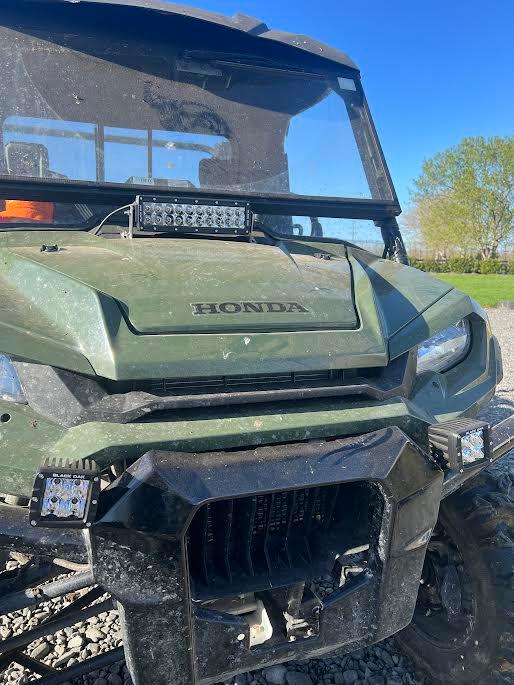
(486, 289)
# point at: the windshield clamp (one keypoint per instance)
(131, 210)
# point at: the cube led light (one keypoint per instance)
(65, 494)
(461, 443)
(472, 446)
(192, 215)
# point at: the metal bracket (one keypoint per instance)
(131, 216)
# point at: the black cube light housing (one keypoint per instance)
(65, 494)
(461, 443)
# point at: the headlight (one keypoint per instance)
(445, 349)
(10, 386)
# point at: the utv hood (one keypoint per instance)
(178, 307)
(188, 286)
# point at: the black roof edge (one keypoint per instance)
(238, 22)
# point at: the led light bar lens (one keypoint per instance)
(65, 494)
(64, 497)
(193, 216)
(472, 447)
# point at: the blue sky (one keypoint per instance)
(433, 71)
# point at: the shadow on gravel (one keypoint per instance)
(381, 664)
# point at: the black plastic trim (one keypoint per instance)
(139, 12)
(120, 194)
(129, 407)
(71, 399)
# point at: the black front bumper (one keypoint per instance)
(139, 551)
(156, 547)
(161, 541)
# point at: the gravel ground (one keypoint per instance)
(66, 647)
(382, 664)
(502, 405)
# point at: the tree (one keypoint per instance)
(464, 197)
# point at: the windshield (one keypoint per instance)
(169, 121)
(360, 232)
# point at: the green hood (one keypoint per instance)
(164, 285)
(151, 307)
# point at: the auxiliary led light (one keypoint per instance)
(461, 443)
(193, 216)
(472, 446)
(65, 494)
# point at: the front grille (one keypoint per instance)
(269, 540)
(157, 399)
(215, 384)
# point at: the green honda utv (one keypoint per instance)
(213, 397)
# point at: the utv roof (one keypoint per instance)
(238, 22)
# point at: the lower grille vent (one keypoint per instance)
(269, 540)
(212, 384)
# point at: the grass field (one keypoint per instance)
(486, 289)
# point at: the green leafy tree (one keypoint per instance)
(464, 197)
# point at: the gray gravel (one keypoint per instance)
(382, 664)
(66, 647)
(502, 405)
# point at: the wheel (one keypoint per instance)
(463, 625)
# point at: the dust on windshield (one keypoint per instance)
(178, 123)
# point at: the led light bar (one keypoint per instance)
(65, 494)
(192, 215)
(461, 443)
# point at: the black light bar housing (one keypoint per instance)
(81, 477)
(189, 215)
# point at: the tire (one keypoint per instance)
(477, 645)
